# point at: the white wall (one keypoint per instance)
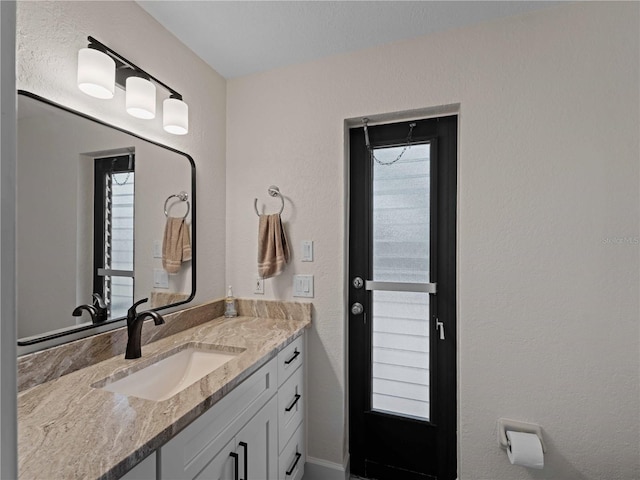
(48, 39)
(548, 303)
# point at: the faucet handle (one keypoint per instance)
(131, 313)
(98, 301)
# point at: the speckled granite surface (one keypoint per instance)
(69, 430)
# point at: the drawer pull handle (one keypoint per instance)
(293, 404)
(245, 446)
(295, 462)
(295, 355)
(235, 462)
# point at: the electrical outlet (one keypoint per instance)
(259, 286)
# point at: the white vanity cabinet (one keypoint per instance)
(241, 429)
(248, 455)
(255, 432)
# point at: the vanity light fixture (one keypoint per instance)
(96, 73)
(175, 116)
(100, 67)
(140, 98)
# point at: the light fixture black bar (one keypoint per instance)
(93, 43)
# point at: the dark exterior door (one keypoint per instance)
(402, 290)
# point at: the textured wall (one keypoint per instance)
(548, 185)
(49, 35)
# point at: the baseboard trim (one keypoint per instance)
(318, 469)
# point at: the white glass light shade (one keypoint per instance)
(96, 73)
(141, 98)
(175, 116)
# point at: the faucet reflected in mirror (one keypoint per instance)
(98, 310)
(134, 328)
(101, 307)
(77, 312)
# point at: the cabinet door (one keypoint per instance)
(223, 466)
(188, 454)
(257, 445)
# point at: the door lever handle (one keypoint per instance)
(440, 327)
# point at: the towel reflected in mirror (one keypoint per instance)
(176, 244)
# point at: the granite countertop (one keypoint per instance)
(70, 430)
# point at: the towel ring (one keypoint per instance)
(183, 197)
(274, 192)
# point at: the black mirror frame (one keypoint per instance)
(50, 336)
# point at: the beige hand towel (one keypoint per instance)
(176, 244)
(273, 249)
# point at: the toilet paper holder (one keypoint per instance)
(505, 424)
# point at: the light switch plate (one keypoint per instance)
(157, 249)
(303, 286)
(160, 278)
(307, 250)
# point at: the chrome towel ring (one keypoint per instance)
(274, 192)
(183, 197)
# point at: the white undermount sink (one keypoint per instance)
(167, 374)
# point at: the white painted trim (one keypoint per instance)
(318, 469)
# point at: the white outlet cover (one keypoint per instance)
(258, 287)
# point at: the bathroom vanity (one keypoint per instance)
(244, 419)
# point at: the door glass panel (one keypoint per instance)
(401, 202)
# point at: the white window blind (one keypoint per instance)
(401, 202)
(119, 241)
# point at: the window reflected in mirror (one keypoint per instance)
(114, 201)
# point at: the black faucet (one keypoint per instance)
(89, 308)
(134, 328)
(101, 308)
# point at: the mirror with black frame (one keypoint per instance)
(104, 219)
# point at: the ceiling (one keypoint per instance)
(243, 37)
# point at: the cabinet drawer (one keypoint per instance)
(194, 447)
(290, 406)
(293, 457)
(290, 358)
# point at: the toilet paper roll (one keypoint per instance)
(525, 449)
